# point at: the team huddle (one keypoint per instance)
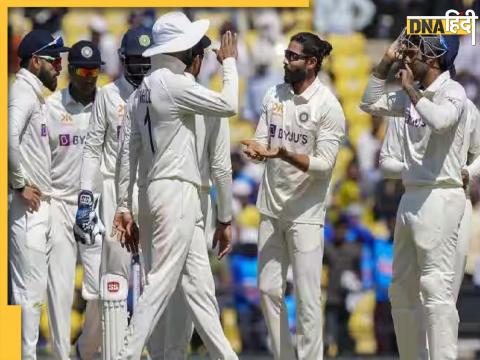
(122, 175)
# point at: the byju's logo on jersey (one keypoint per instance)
(43, 130)
(67, 140)
(287, 135)
(64, 139)
(273, 130)
(413, 120)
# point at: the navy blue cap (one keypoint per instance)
(40, 42)
(451, 43)
(85, 54)
(135, 41)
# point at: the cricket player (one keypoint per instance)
(100, 155)
(298, 136)
(163, 122)
(68, 115)
(29, 221)
(173, 333)
(392, 164)
(431, 209)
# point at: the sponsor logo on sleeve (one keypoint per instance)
(43, 130)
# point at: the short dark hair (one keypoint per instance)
(313, 46)
(24, 62)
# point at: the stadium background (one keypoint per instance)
(358, 237)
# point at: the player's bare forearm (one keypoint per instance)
(382, 69)
(414, 94)
(300, 161)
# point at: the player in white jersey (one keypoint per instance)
(68, 116)
(29, 224)
(433, 204)
(100, 155)
(299, 134)
(162, 115)
(172, 335)
(392, 164)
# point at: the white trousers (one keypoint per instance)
(28, 234)
(170, 339)
(61, 257)
(178, 247)
(425, 243)
(464, 236)
(280, 244)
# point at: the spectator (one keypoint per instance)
(369, 144)
(49, 19)
(264, 77)
(107, 43)
(387, 197)
(210, 65)
(342, 16)
(378, 253)
(342, 259)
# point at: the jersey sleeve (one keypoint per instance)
(330, 134)
(221, 168)
(93, 148)
(20, 109)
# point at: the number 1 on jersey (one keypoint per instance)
(149, 124)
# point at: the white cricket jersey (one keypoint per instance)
(212, 137)
(68, 124)
(162, 114)
(392, 156)
(101, 144)
(28, 148)
(311, 123)
(433, 129)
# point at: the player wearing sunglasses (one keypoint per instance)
(29, 222)
(68, 115)
(298, 136)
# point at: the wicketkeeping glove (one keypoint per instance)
(88, 227)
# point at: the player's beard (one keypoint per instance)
(48, 80)
(294, 76)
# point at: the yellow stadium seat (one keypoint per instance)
(230, 327)
(351, 88)
(78, 277)
(351, 65)
(345, 155)
(250, 39)
(347, 44)
(240, 130)
(354, 115)
(44, 332)
(361, 326)
(249, 217)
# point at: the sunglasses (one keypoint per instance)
(84, 72)
(58, 42)
(293, 56)
(55, 61)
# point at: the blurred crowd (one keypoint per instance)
(358, 248)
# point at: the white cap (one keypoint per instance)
(174, 32)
